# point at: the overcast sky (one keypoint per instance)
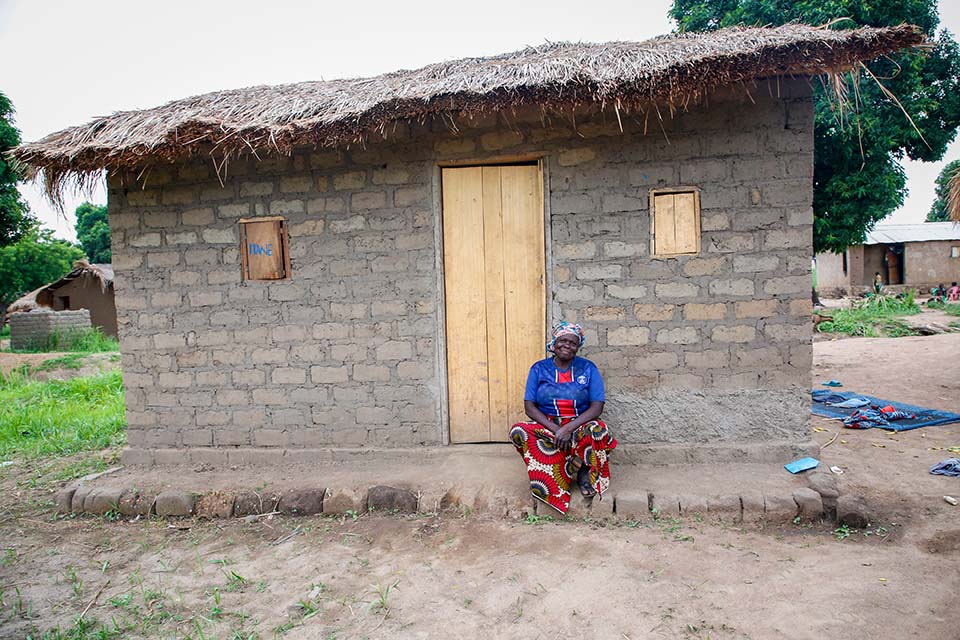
(69, 61)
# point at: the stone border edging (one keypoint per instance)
(822, 501)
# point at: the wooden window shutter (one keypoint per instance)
(675, 221)
(264, 248)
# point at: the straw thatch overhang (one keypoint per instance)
(101, 274)
(672, 70)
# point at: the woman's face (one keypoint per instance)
(566, 346)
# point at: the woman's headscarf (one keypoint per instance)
(563, 328)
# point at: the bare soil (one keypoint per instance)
(380, 576)
(86, 365)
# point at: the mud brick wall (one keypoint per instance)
(32, 328)
(707, 348)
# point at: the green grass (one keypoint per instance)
(951, 308)
(85, 341)
(874, 316)
(60, 417)
(4, 332)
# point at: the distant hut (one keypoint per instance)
(953, 205)
(87, 286)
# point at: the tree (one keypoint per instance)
(33, 261)
(940, 212)
(858, 176)
(93, 232)
(15, 218)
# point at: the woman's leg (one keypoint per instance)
(550, 470)
(592, 444)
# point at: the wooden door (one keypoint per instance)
(493, 256)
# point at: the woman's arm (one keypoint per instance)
(533, 412)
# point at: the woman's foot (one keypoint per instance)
(583, 481)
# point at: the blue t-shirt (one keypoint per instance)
(564, 393)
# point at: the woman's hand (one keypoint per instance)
(564, 437)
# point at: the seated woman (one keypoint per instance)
(566, 441)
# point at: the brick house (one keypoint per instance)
(918, 256)
(382, 272)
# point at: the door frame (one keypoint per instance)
(550, 306)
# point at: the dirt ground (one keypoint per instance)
(375, 576)
(79, 365)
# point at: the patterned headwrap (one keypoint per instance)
(563, 328)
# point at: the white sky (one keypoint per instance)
(70, 61)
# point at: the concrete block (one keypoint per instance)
(338, 502)
(174, 503)
(852, 511)
(724, 508)
(382, 498)
(753, 506)
(102, 499)
(251, 503)
(79, 497)
(137, 503)
(64, 499)
(809, 503)
(302, 502)
(779, 508)
(665, 505)
(692, 505)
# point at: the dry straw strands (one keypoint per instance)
(672, 70)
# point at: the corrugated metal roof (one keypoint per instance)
(923, 232)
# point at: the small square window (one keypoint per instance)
(955, 252)
(264, 248)
(675, 221)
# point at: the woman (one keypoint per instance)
(566, 441)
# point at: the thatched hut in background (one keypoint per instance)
(86, 286)
(953, 206)
(375, 262)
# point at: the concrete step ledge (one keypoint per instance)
(626, 453)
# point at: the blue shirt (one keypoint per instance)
(565, 393)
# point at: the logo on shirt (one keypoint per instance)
(582, 380)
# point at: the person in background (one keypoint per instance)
(877, 283)
(953, 294)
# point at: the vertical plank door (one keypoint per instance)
(495, 294)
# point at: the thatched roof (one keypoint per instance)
(674, 69)
(102, 274)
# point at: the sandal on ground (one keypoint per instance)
(583, 481)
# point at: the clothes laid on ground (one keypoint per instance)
(852, 403)
(949, 467)
(552, 471)
(876, 413)
(826, 396)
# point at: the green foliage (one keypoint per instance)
(93, 232)
(858, 177)
(15, 218)
(82, 341)
(60, 417)
(33, 261)
(873, 316)
(949, 308)
(938, 212)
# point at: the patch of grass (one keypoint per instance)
(4, 332)
(60, 417)
(873, 317)
(83, 341)
(69, 361)
(950, 308)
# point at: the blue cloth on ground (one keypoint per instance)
(802, 464)
(832, 383)
(949, 467)
(852, 403)
(827, 396)
(923, 417)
